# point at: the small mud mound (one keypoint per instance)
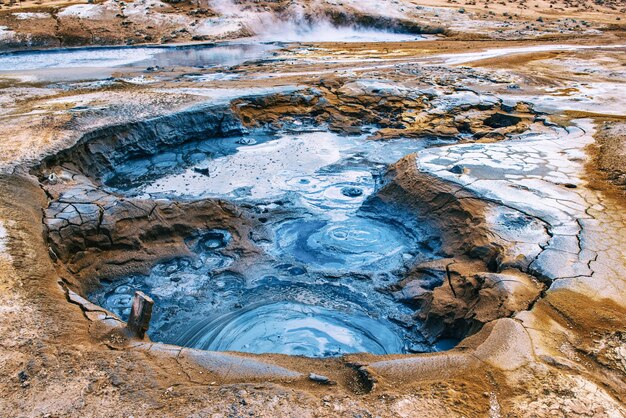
(356, 244)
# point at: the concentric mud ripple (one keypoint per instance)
(355, 244)
(339, 191)
(292, 328)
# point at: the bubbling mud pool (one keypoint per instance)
(328, 250)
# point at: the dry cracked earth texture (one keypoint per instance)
(522, 179)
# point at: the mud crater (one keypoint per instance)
(258, 240)
(316, 287)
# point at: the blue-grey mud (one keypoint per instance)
(328, 251)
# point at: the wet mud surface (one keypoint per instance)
(316, 285)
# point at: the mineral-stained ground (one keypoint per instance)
(444, 181)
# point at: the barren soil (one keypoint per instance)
(526, 190)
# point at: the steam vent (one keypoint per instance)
(313, 208)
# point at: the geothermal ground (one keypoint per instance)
(355, 209)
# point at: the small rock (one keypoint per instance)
(457, 169)
(203, 171)
(23, 377)
(351, 191)
(247, 141)
(116, 380)
(321, 379)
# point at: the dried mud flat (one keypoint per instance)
(504, 147)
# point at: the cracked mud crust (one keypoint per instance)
(521, 178)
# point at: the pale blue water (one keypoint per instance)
(139, 56)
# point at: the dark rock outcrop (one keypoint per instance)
(456, 296)
(350, 107)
